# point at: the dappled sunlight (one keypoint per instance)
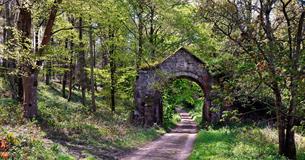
(152, 79)
(246, 142)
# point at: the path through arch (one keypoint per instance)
(152, 80)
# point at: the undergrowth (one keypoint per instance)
(248, 142)
(68, 130)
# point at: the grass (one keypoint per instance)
(171, 121)
(239, 143)
(68, 130)
(28, 142)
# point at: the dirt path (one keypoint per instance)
(176, 145)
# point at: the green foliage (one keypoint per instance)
(124, 84)
(236, 143)
(184, 94)
(230, 116)
(168, 116)
(196, 112)
(168, 25)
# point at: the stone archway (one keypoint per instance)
(150, 81)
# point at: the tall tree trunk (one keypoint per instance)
(82, 61)
(290, 148)
(37, 40)
(94, 65)
(64, 79)
(49, 69)
(269, 57)
(71, 66)
(280, 118)
(112, 71)
(64, 84)
(152, 31)
(48, 73)
(92, 81)
(30, 77)
(141, 38)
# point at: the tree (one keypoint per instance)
(82, 62)
(30, 71)
(257, 30)
(92, 80)
(14, 80)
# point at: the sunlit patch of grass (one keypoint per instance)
(141, 134)
(74, 123)
(234, 144)
(27, 142)
(64, 130)
(271, 136)
(176, 118)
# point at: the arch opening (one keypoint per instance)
(151, 81)
(181, 93)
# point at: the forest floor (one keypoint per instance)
(177, 144)
(68, 130)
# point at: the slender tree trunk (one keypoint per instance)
(82, 62)
(113, 87)
(48, 73)
(64, 80)
(36, 41)
(281, 122)
(112, 72)
(94, 65)
(92, 81)
(280, 118)
(49, 69)
(152, 31)
(64, 84)
(71, 71)
(141, 38)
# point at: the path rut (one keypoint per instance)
(176, 145)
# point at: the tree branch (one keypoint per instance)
(69, 28)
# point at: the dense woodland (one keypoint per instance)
(68, 71)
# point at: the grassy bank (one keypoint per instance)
(68, 130)
(240, 143)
